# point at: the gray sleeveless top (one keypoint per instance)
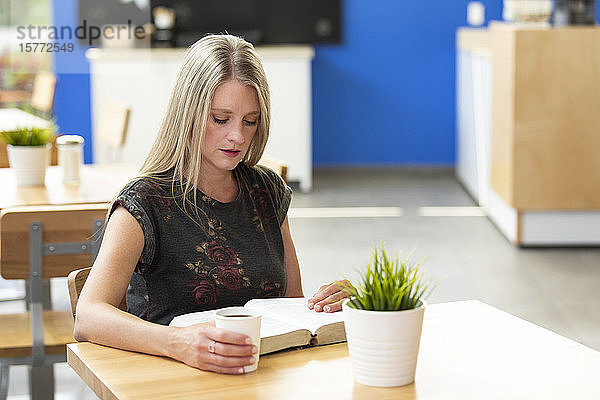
(228, 254)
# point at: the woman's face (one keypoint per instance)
(232, 122)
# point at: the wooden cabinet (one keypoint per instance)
(541, 172)
(546, 117)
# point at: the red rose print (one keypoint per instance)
(160, 195)
(262, 202)
(205, 293)
(221, 255)
(271, 290)
(230, 278)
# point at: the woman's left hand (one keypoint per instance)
(329, 297)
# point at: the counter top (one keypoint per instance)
(476, 40)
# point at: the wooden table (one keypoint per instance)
(469, 350)
(99, 183)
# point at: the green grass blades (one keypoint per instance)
(387, 284)
(30, 136)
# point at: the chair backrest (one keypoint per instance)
(278, 166)
(66, 238)
(112, 130)
(42, 93)
(113, 123)
(75, 282)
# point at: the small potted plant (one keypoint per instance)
(383, 317)
(28, 151)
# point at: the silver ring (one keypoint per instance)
(211, 346)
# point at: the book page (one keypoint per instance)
(272, 327)
(294, 312)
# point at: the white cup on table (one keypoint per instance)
(241, 320)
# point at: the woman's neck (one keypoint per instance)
(219, 185)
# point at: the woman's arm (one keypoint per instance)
(99, 320)
(292, 269)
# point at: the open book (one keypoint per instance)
(286, 322)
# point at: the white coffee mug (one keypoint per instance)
(241, 320)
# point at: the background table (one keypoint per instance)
(99, 183)
(469, 350)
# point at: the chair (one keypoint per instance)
(278, 166)
(75, 282)
(112, 129)
(38, 243)
(42, 94)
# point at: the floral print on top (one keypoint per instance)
(223, 255)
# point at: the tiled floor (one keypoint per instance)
(466, 255)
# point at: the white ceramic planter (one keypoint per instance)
(383, 345)
(29, 163)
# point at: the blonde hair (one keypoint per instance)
(209, 62)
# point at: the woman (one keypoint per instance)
(203, 227)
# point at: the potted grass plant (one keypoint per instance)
(383, 316)
(28, 151)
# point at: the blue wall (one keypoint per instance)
(72, 98)
(387, 95)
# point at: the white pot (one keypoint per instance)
(29, 163)
(383, 345)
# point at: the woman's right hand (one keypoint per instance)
(231, 351)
